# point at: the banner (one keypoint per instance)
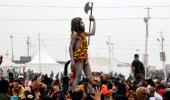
(162, 56)
(145, 59)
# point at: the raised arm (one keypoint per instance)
(92, 32)
(72, 43)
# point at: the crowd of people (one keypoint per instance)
(112, 86)
(105, 87)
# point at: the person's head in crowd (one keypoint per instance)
(16, 83)
(168, 85)
(136, 57)
(1, 59)
(55, 88)
(128, 82)
(57, 82)
(35, 84)
(166, 95)
(156, 82)
(104, 77)
(55, 95)
(150, 82)
(144, 84)
(152, 91)
(11, 77)
(77, 94)
(121, 88)
(39, 79)
(28, 94)
(132, 89)
(16, 86)
(141, 93)
(4, 86)
(142, 79)
(160, 86)
(131, 97)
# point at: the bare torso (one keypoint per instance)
(77, 43)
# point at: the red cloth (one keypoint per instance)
(73, 75)
(104, 90)
(161, 91)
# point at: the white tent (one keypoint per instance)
(7, 62)
(102, 64)
(99, 64)
(45, 64)
(9, 65)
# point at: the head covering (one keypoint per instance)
(104, 90)
(161, 91)
(20, 76)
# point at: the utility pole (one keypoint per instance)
(12, 55)
(28, 46)
(108, 44)
(162, 54)
(39, 49)
(112, 49)
(146, 20)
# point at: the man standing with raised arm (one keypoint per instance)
(78, 49)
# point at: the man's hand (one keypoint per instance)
(97, 93)
(91, 18)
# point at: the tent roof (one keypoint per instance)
(7, 62)
(102, 61)
(44, 58)
(102, 64)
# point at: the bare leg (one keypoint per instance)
(78, 68)
(87, 70)
(88, 74)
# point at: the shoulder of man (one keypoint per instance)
(134, 62)
(140, 63)
(74, 33)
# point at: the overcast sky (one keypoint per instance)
(120, 19)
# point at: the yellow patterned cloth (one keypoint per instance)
(81, 53)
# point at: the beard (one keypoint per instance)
(82, 29)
